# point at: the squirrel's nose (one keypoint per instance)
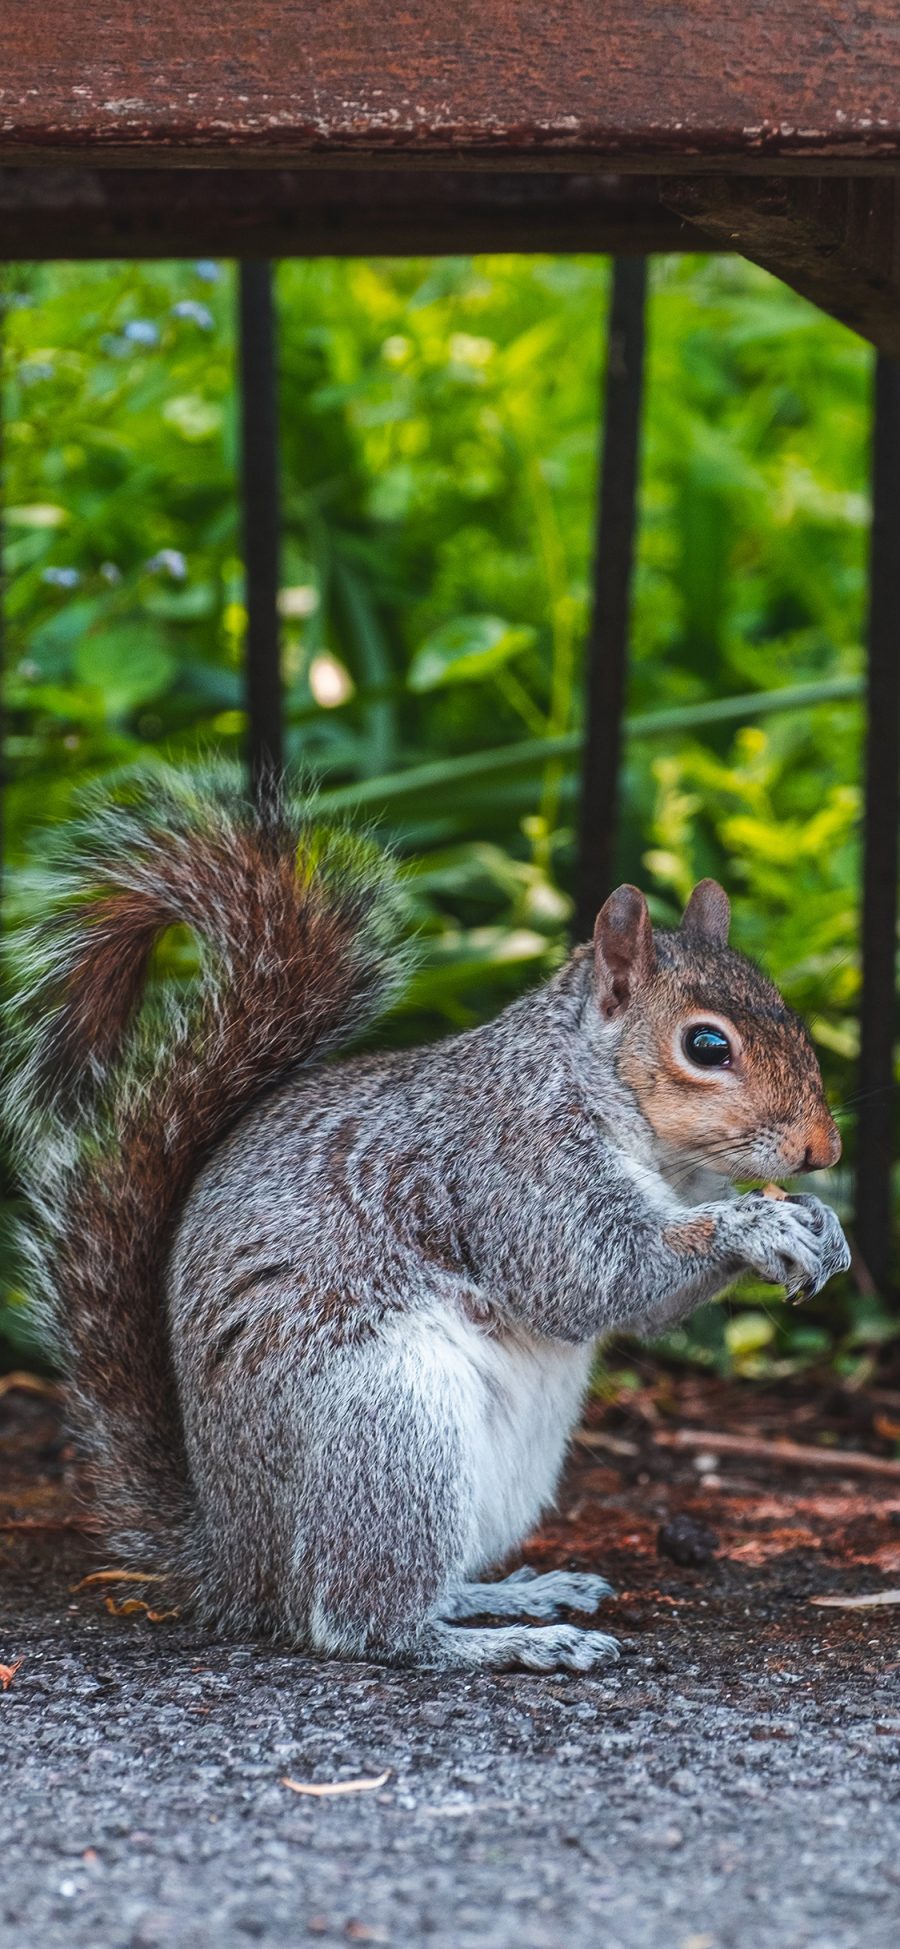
(824, 1146)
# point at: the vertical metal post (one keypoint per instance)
(5, 1170)
(607, 658)
(5, 271)
(878, 1007)
(261, 516)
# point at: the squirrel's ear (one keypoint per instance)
(624, 954)
(708, 912)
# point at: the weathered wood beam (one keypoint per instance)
(836, 242)
(664, 85)
(83, 213)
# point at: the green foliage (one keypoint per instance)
(439, 441)
(466, 650)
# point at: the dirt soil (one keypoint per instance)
(733, 1783)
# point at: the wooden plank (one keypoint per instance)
(876, 1125)
(261, 518)
(607, 652)
(836, 242)
(82, 213)
(666, 84)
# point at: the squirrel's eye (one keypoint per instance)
(707, 1046)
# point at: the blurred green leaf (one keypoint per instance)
(42, 515)
(467, 650)
(129, 665)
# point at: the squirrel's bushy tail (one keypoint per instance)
(114, 1106)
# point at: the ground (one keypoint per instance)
(733, 1783)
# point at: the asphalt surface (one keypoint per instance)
(733, 1783)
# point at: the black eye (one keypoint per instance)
(707, 1046)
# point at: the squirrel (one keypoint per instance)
(328, 1326)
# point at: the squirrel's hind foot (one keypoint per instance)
(527, 1594)
(519, 1647)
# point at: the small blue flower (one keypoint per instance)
(111, 573)
(170, 559)
(34, 370)
(141, 331)
(207, 270)
(197, 313)
(61, 578)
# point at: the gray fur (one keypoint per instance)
(441, 1237)
(524, 1594)
(381, 1301)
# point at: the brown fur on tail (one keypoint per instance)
(298, 933)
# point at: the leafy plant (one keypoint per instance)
(439, 449)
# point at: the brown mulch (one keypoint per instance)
(680, 1524)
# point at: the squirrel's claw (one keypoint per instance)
(798, 1243)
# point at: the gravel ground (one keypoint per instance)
(734, 1783)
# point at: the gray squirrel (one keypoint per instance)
(328, 1326)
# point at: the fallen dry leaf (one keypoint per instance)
(869, 1601)
(773, 1543)
(336, 1786)
(130, 1605)
(8, 1672)
(19, 1382)
(118, 1577)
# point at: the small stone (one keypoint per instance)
(686, 1541)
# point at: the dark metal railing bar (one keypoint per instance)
(881, 853)
(3, 297)
(607, 650)
(258, 368)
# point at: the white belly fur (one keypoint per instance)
(517, 1399)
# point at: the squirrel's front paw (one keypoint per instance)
(793, 1242)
